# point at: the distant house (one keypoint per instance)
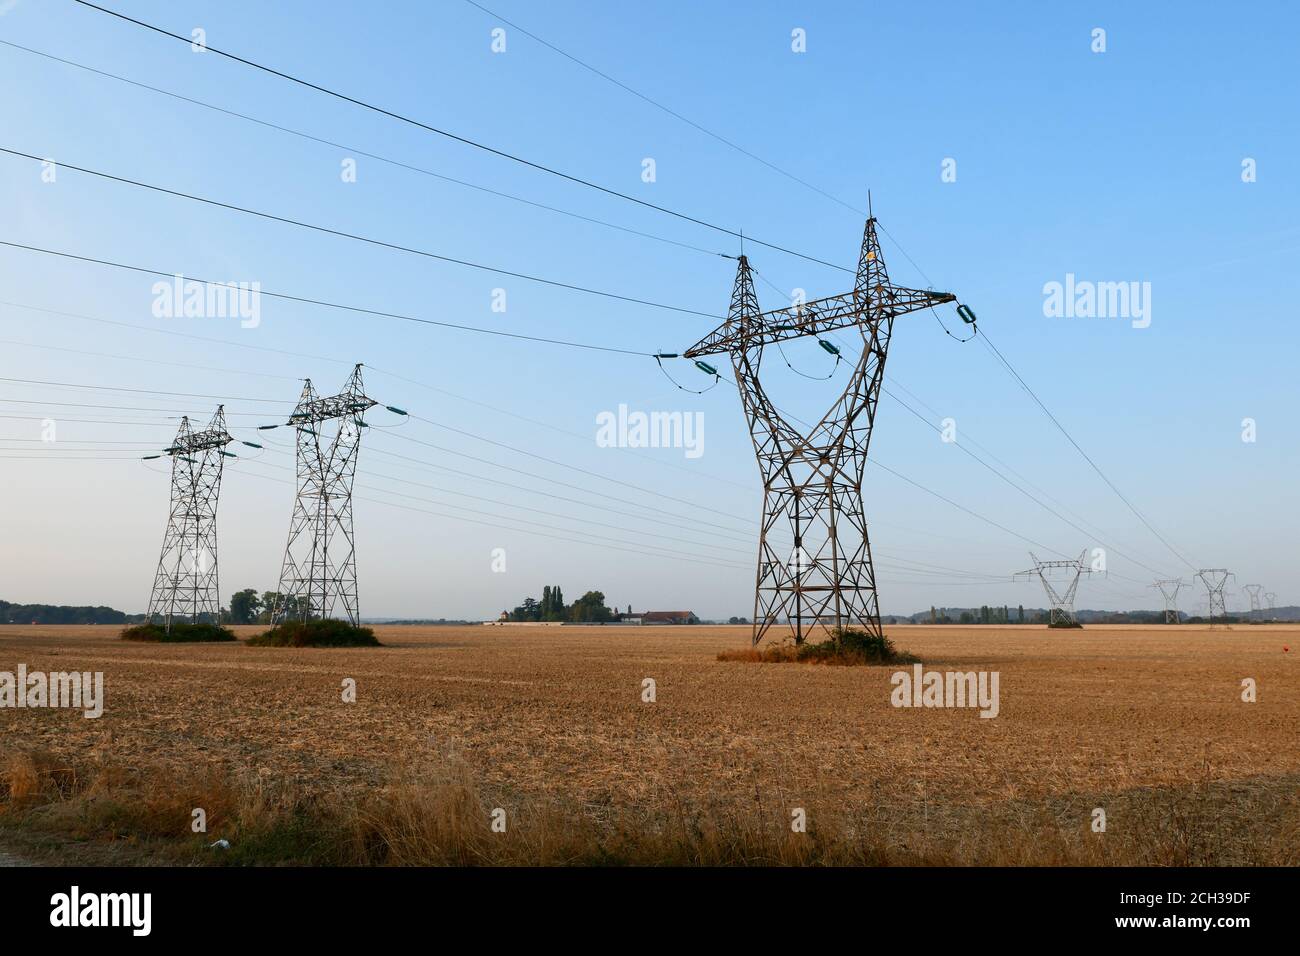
(669, 617)
(629, 618)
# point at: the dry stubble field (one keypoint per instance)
(548, 724)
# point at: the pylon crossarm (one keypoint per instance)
(816, 318)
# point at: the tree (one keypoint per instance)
(590, 609)
(245, 606)
(289, 607)
(1022, 614)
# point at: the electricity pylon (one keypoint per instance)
(1169, 590)
(813, 482)
(1252, 591)
(1215, 579)
(319, 573)
(1271, 598)
(1061, 610)
(185, 585)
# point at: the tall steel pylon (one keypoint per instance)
(185, 584)
(1061, 603)
(1169, 590)
(813, 483)
(1215, 579)
(1252, 591)
(319, 573)
(1271, 598)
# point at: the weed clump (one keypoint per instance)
(846, 647)
(318, 633)
(178, 633)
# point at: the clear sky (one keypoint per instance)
(1117, 166)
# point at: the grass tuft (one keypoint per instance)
(847, 647)
(180, 633)
(320, 633)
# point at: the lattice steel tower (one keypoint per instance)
(1061, 611)
(812, 483)
(1215, 579)
(185, 585)
(319, 574)
(1169, 591)
(1253, 592)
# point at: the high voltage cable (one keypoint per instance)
(1022, 491)
(530, 509)
(356, 237)
(580, 181)
(592, 474)
(550, 170)
(563, 464)
(331, 305)
(1086, 457)
(147, 361)
(508, 527)
(370, 368)
(369, 155)
(671, 112)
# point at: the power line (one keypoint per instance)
(671, 112)
(370, 368)
(1086, 457)
(578, 180)
(327, 304)
(540, 167)
(356, 237)
(369, 155)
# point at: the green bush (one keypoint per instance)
(849, 646)
(179, 633)
(854, 646)
(320, 633)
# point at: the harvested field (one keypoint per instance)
(1146, 723)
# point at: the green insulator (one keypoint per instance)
(150, 457)
(828, 347)
(250, 444)
(966, 313)
(395, 411)
(705, 367)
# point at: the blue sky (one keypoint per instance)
(1117, 166)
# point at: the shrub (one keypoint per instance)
(319, 633)
(179, 633)
(847, 646)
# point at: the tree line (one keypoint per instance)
(588, 609)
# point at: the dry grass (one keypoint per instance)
(452, 723)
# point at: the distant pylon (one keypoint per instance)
(1253, 591)
(185, 585)
(1169, 590)
(1271, 598)
(1215, 579)
(319, 573)
(1061, 611)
